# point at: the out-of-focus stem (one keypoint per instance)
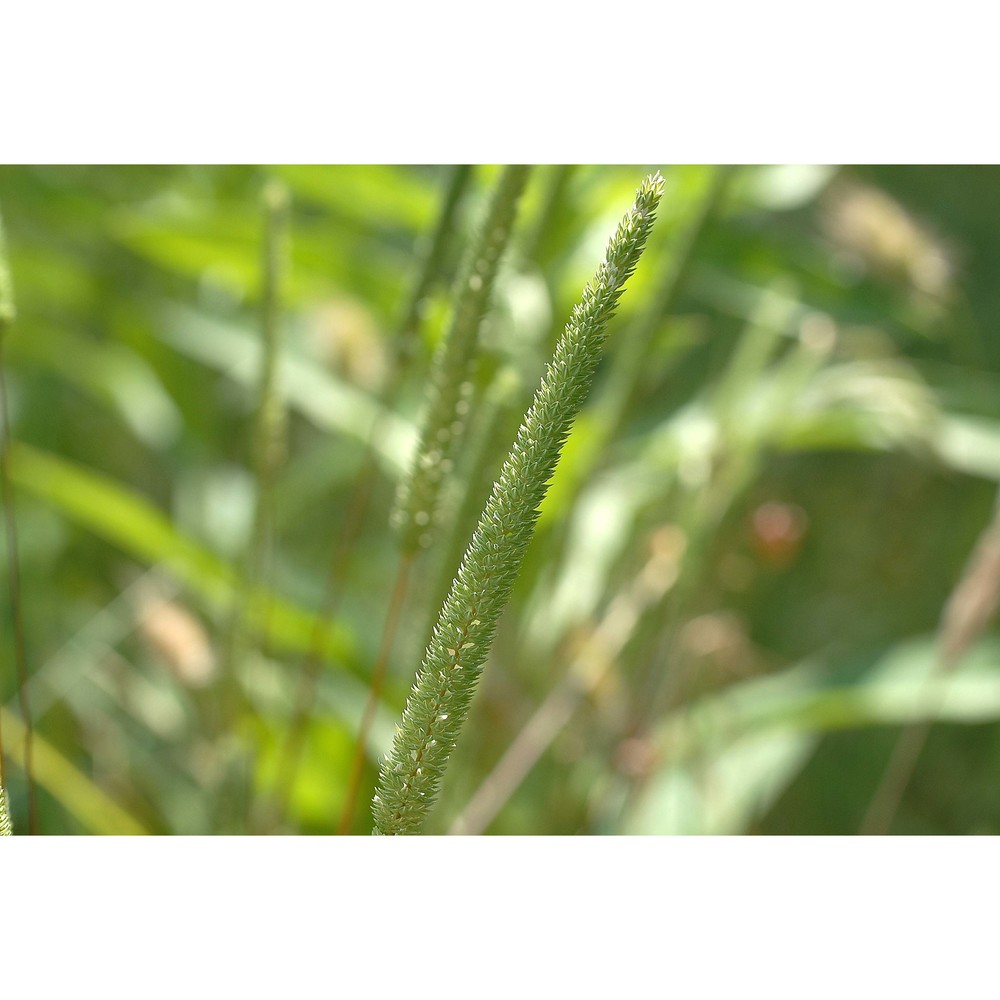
(375, 693)
(7, 315)
(268, 455)
(558, 178)
(971, 606)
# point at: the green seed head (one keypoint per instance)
(461, 639)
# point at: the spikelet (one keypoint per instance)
(5, 827)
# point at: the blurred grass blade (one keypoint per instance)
(377, 195)
(115, 513)
(721, 757)
(723, 793)
(968, 444)
(108, 371)
(328, 402)
(75, 792)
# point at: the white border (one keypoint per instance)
(769, 82)
(431, 917)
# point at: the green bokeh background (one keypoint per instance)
(831, 358)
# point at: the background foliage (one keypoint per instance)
(738, 575)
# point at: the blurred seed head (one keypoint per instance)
(667, 545)
(882, 236)
(345, 336)
(177, 638)
(818, 333)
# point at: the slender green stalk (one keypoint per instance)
(552, 197)
(270, 430)
(439, 701)
(444, 419)
(7, 316)
(268, 454)
(408, 328)
(375, 693)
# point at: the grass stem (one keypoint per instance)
(7, 315)
(269, 432)
(972, 604)
(396, 603)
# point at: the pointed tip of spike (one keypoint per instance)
(652, 186)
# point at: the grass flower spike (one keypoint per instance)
(439, 702)
(443, 421)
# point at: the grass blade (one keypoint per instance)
(93, 808)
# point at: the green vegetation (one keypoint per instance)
(718, 572)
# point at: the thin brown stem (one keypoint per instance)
(522, 755)
(967, 613)
(378, 678)
(305, 692)
(898, 774)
